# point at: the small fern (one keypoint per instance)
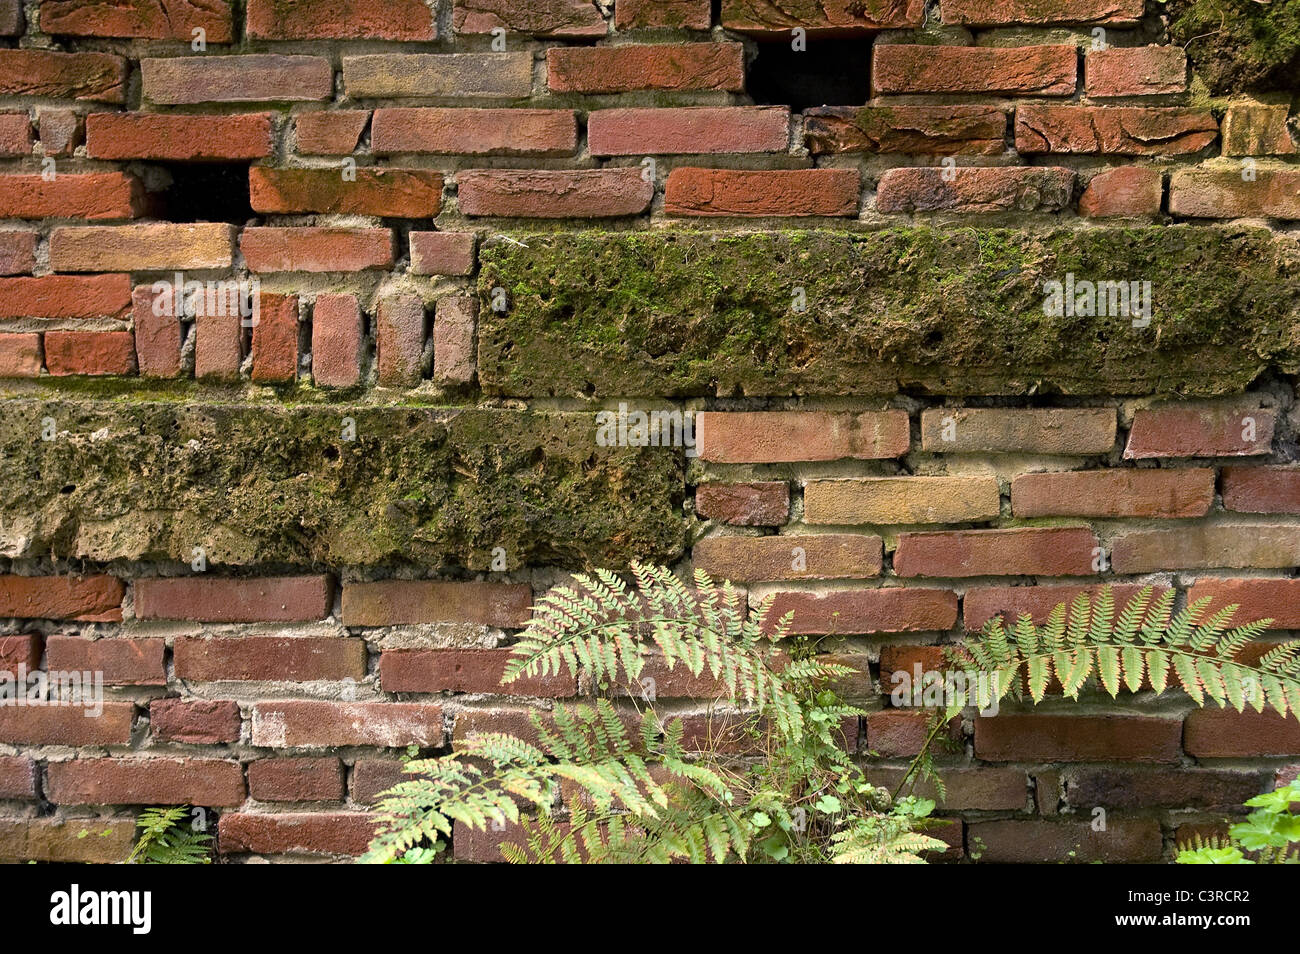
(1270, 835)
(167, 837)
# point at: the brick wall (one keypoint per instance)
(296, 545)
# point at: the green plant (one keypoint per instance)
(774, 783)
(1268, 836)
(168, 837)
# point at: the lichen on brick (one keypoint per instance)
(1239, 45)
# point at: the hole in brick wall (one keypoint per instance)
(206, 192)
(831, 72)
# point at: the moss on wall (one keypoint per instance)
(1240, 45)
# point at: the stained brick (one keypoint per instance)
(83, 840)
(397, 602)
(334, 132)
(453, 339)
(250, 78)
(1135, 71)
(178, 138)
(1187, 492)
(313, 833)
(1253, 128)
(284, 599)
(336, 343)
(296, 780)
(758, 504)
(442, 253)
(465, 670)
(1074, 431)
(475, 132)
(688, 130)
(1200, 430)
(396, 193)
(304, 723)
(1038, 737)
(787, 436)
(289, 658)
(1114, 130)
(124, 662)
(553, 194)
(902, 500)
(399, 75)
(400, 330)
(91, 599)
(795, 557)
(929, 130)
(346, 20)
(885, 610)
(674, 14)
(145, 19)
(197, 721)
(772, 18)
(155, 246)
(667, 66)
(985, 189)
(780, 192)
(1261, 489)
(1038, 70)
(311, 249)
(1003, 12)
(1034, 841)
(62, 131)
(554, 18)
(146, 781)
(92, 195)
(1206, 789)
(98, 77)
(1225, 194)
(1022, 551)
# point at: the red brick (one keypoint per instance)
(17, 777)
(442, 253)
(759, 504)
(1200, 430)
(307, 249)
(796, 557)
(887, 610)
(372, 777)
(196, 721)
(335, 132)
(1038, 737)
(983, 189)
(905, 659)
(829, 192)
(145, 19)
(310, 723)
(98, 77)
(1187, 492)
(316, 833)
(124, 662)
(67, 725)
(789, 436)
(1227, 734)
(22, 650)
(335, 20)
(465, 670)
(89, 352)
(902, 500)
(1135, 71)
(398, 602)
(152, 246)
(1278, 600)
(424, 75)
(1114, 130)
(688, 130)
(336, 342)
(771, 18)
(145, 781)
(968, 789)
(669, 14)
(178, 138)
(86, 840)
(554, 18)
(1226, 546)
(453, 339)
(1040, 70)
(929, 130)
(1261, 489)
(20, 355)
(475, 132)
(219, 346)
(95, 599)
(553, 194)
(660, 681)
(283, 599)
(92, 195)
(666, 66)
(15, 134)
(1206, 789)
(62, 296)
(982, 603)
(275, 339)
(157, 337)
(1224, 194)
(250, 78)
(1022, 551)
(400, 330)
(62, 131)
(1002, 12)
(397, 193)
(17, 252)
(296, 780)
(1252, 128)
(1126, 191)
(1069, 431)
(1034, 841)
(280, 658)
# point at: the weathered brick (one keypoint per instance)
(1003, 12)
(453, 339)
(12, 21)
(442, 253)
(474, 132)
(982, 603)
(275, 339)
(396, 602)
(1126, 191)
(290, 658)
(311, 723)
(1186, 492)
(312, 833)
(1278, 600)
(398, 75)
(1114, 130)
(91, 195)
(800, 192)
(902, 500)
(335, 20)
(20, 354)
(396, 193)
(925, 130)
(1040, 70)
(196, 721)
(798, 557)
(155, 246)
(157, 336)
(1225, 194)
(670, 14)
(400, 330)
(146, 781)
(967, 789)
(786, 436)
(21, 650)
(1040, 737)
(1021, 551)
(15, 134)
(62, 296)
(335, 132)
(772, 18)
(372, 777)
(62, 131)
(982, 189)
(1200, 430)
(336, 342)
(124, 662)
(665, 66)
(96, 599)
(1261, 489)
(145, 19)
(219, 346)
(756, 504)
(1035, 841)
(1206, 789)
(67, 725)
(178, 138)
(552, 18)
(81, 840)
(89, 353)
(465, 670)
(314, 249)
(284, 599)
(17, 252)
(17, 777)
(1253, 128)
(1227, 734)
(897, 733)
(886, 610)
(296, 780)
(250, 78)
(553, 194)
(1135, 71)
(688, 130)
(1072, 431)
(99, 77)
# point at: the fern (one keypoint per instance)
(166, 837)
(1270, 835)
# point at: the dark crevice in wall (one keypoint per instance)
(830, 72)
